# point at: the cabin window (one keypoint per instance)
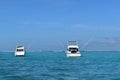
(73, 49)
(20, 49)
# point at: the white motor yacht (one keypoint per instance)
(20, 51)
(73, 49)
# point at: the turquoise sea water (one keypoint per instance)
(56, 66)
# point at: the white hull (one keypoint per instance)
(73, 55)
(19, 53)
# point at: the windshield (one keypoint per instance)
(20, 49)
(73, 49)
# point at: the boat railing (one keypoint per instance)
(72, 43)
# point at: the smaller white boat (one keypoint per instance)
(20, 51)
(73, 49)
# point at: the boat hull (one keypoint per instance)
(73, 55)
(19, 53)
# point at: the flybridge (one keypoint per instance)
(72, 43)
(19, 46)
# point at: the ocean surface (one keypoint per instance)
(56, 66)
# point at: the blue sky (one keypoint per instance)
(49, 24)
